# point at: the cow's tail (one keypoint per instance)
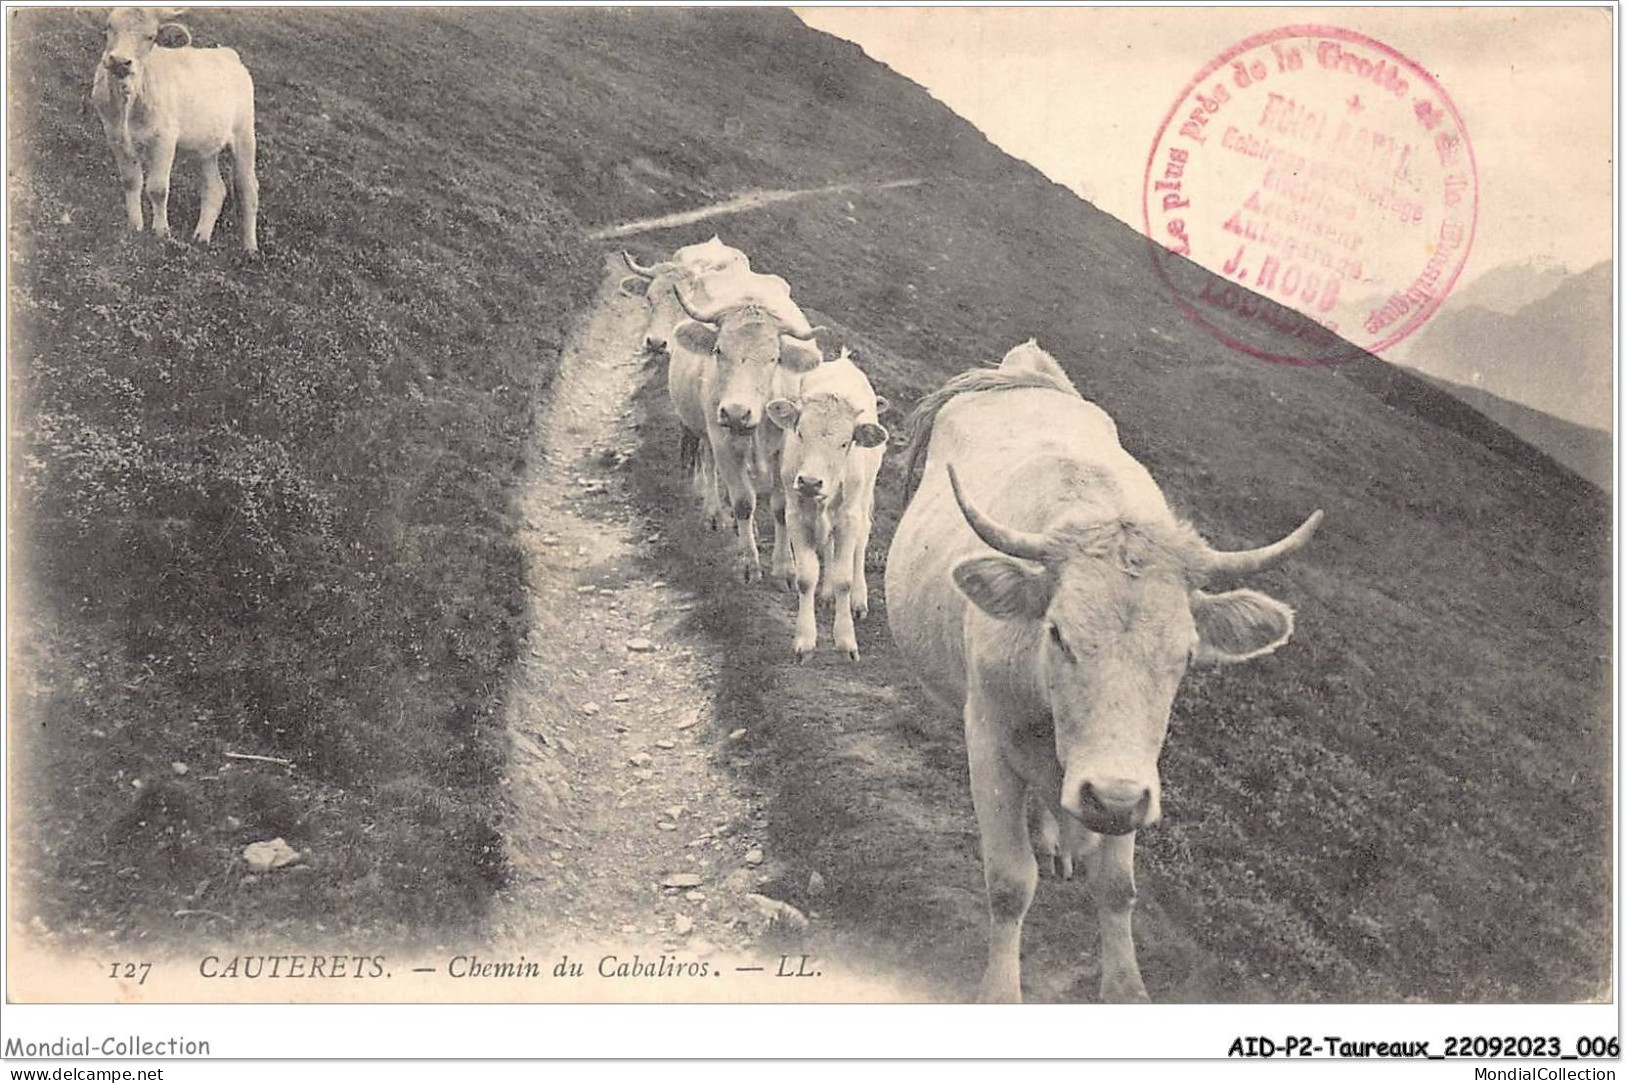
(921, 420)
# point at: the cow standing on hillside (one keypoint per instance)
(154, 94)
(833, 443)
(749, 344)
(1041, 586)
(658, 283)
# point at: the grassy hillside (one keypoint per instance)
(1412, 800)
(262, 505)
(1588, 452)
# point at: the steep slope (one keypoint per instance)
(1588, 452)
(1554, 354)
(1410, 801)
(1370, 814)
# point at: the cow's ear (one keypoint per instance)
(173, 36)
(799, 356)
(1238, 625)
(869, 434)
(1002, 588)
(784, 413)
(881, 405)
(635, 286)
(695, 337)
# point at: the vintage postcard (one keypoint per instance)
(832, 505)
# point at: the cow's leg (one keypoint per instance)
(845, 536)
(1000, 796)
(784, 566)
(862, 524)
(710, 484)
(159, 164)
(801, 525)
(244, 152)
(130, 176)
(214, 197)
(1111, 880)
(826, 553)
(742, 499)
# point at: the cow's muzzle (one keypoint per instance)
(119, 66)
(739, 420)
(809, 487)
(1110, 806)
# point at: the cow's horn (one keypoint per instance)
(702, 317)
(1015, 543)
(1247, 561)
(638, 268)
(811, 334)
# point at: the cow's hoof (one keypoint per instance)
(750, 573)
(804, 651)
(716, 522)
(852, 654)
(860, 610)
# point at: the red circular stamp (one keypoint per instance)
(1318, 169)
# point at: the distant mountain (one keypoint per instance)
(1586, 451)
(1508, 288)
(1554, 354)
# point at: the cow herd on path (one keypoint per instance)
(1037, 582)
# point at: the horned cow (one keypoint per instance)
(751, 344)
(1040, 586)
(689, 267)
(155, 94)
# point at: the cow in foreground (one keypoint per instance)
(1039, 584)
(155, 94)
(744, 345)
(688, 267)
(833, 443)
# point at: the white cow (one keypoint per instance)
(688, 267)
(833, 443)
(747, 343)
(1039, 584)
(153, 100)
(658, 282)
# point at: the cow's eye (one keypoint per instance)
(1060, 643)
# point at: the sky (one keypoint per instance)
(1080, 93)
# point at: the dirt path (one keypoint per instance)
(747, 202)
(618, 778)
